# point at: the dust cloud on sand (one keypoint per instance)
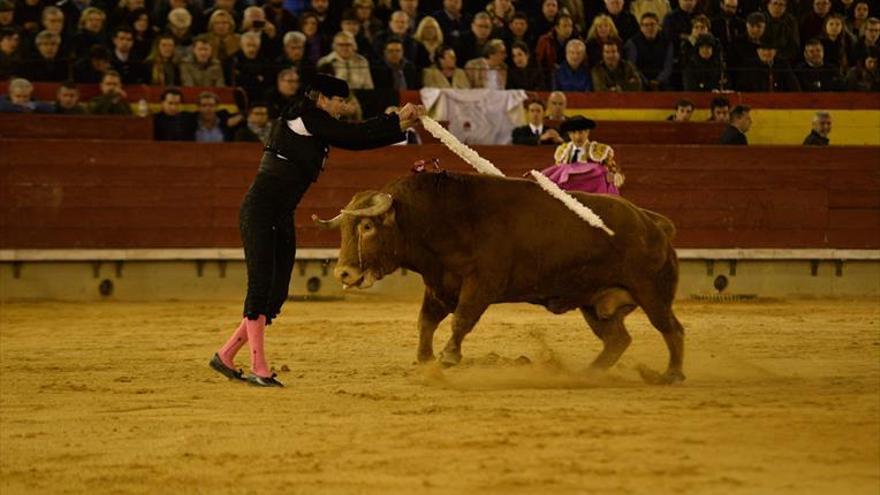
(781, 397)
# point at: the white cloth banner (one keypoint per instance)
(477, 116)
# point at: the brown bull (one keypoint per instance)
(478, 240)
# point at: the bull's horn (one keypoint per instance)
(333, 223)
(379, 204)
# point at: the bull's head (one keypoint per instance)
(369, 239)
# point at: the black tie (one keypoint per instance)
(574, 157)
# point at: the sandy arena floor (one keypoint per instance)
(781, 398)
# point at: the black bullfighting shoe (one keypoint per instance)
(260, 381)
(218, 366)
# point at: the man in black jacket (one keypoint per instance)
(740, 123)
(171, 124)
(293, 158)
(744, 50)
(818, 136)
(535, 133)
(257, 127)
(728, 26)
(651, 52)
(814, 73)
(47, 64)
(453, 22)
(768, 73)
(392, 75)
(123, 62)
(67, 100)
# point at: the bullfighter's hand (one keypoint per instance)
(406, 113)
(408, 116)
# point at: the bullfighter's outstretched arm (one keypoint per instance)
(373, 133)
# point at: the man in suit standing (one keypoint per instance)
(740, 123)
(535, 133)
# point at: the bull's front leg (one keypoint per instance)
(433, 312)
(472, 303)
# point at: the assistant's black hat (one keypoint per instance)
(577, 123)
(330, 86)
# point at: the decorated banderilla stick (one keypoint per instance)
(486, 167)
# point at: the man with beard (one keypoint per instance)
(728, 26)
(614, 74)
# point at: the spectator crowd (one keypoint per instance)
(270, 49)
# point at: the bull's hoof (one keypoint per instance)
(425, 358)
(674, 376)
(448, 359)
(671, 377)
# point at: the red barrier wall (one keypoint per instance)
(130, 194)
(14, 125)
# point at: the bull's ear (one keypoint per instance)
(388, 218)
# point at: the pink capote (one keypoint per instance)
(588, 177)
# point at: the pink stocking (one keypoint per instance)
(230, 348)
(255, 331)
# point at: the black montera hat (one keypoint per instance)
(330, 86)
(577, 123)
(768, 45)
